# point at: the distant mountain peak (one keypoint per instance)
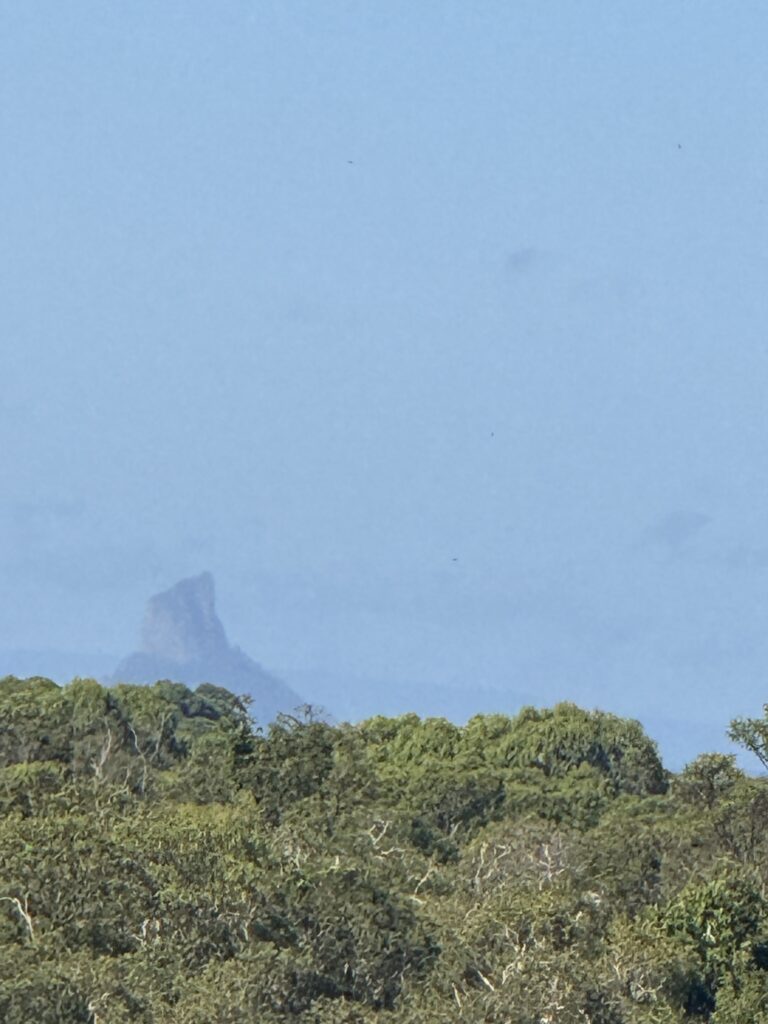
(183, 639)
(181, 623)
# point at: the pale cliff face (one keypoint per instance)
(181, 624)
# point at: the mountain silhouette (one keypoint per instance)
(183, 639)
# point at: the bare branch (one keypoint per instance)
(23, 912)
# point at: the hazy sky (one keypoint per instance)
(437, 332)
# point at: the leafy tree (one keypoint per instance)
(723, 923)
(557, 740)
(752, 734)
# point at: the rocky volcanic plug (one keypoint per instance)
(183, 639)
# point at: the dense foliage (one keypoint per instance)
(164, 860)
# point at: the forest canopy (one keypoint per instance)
(164, 859)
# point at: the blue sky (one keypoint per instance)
(436, 332)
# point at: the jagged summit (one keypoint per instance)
(182, 624)
(182, 638)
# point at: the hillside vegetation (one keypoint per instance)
(164, 861)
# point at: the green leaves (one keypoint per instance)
(164, 862)
(752, 734)
(555, 741)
